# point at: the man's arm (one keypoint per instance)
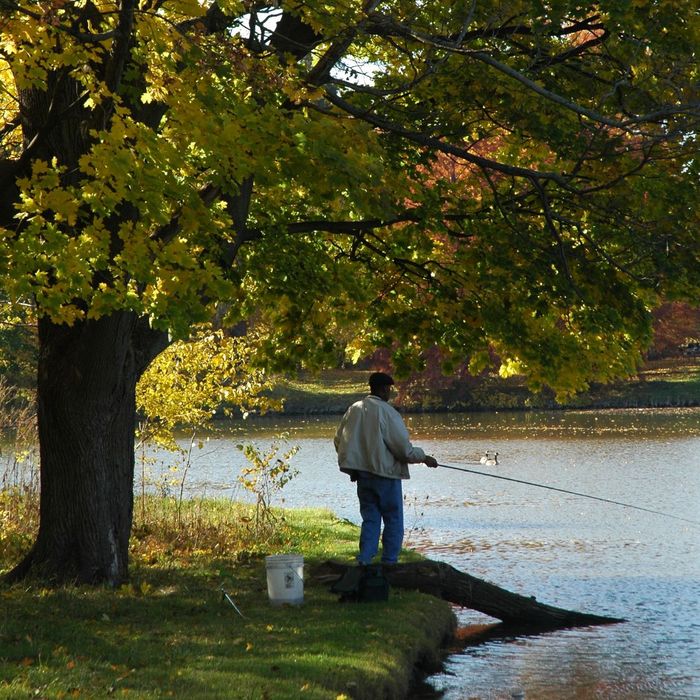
(399, 443)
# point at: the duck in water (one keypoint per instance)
(489, 459)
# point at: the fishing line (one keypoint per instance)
(573, 493)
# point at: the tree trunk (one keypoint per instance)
(446, 582)
(86, 414)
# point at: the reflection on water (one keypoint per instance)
(568, 551)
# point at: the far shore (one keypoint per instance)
(670, 383)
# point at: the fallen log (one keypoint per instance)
(444, 581)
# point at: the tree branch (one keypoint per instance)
(292, 35)
(578, 109)
(165, 233)
(239, 207)
(557, 236)
(349, 227)
(80, 36)
(121, 48)
(385, 24)
(437, 144)
(320, 73)
(214, 20)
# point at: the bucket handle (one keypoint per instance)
(289, 566)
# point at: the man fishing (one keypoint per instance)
(374, 448)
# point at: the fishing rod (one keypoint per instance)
(573, 493)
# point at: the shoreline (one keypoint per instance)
(169, 631)
(662, 384)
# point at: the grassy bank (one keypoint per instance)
(170, 632)
(661, 383)
(667, 383)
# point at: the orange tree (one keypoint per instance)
(517, 175)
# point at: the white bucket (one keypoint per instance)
(285, 578)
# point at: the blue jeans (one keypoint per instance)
(381, 499)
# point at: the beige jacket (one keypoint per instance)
(372, 437)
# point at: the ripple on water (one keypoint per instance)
(568, 551)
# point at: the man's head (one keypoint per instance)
(380, 384)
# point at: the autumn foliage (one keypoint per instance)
(516, 180)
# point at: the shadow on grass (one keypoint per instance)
(171, 633)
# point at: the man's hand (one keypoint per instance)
(430, 461)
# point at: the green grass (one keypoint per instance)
(659, 384)
(330, 391)
(170, 633)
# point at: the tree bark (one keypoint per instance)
(86, 416)
(446, 582)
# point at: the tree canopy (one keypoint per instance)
(518, 175)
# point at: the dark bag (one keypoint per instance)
(362, 584)
(373, 585)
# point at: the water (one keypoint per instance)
(568, 551)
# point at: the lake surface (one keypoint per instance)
(566, 550)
